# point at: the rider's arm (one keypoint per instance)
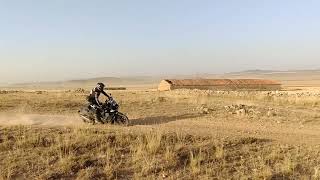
(104, 93)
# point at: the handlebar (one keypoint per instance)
(109, 99)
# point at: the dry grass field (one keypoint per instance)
(182, 134)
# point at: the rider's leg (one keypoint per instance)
(98, 116)
(97, 113)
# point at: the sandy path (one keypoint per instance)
(220, 128)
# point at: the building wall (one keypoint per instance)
(229, 88)
(164, 86)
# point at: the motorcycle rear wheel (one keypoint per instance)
(122, 119)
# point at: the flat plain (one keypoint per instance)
(181, 134)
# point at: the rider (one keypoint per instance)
(93, 99)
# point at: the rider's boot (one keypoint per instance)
(98, 118)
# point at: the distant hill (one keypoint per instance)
(134, 82)
(266, 72)
(89, 83)
(257, 71)
(292, 78)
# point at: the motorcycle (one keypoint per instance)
(108, 112)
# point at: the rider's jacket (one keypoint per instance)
(94, 96)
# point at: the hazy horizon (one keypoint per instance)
(255, 74)
(65, 40)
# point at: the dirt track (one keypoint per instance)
(295, 123)
(191, 124)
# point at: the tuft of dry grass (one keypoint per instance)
(98, 153)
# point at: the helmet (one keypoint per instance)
(100, 86)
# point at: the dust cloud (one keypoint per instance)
(41, 120)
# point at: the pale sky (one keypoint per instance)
(46, 40)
